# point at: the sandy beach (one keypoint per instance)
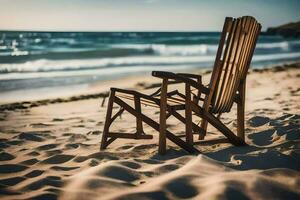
(49, 149)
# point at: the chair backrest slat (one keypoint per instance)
(253, 32)
(234, 69)
(227, 65)
(233, 58)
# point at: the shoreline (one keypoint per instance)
(138, 83)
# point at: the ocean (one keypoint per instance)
(48, 64)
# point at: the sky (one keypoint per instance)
(140, 15)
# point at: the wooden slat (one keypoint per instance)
(243, 57)
(139, 123)
(162, 117)
(107, 119)
(128, 135)
(216, 71)
(229, 66)
(254, 33)
(234, 64)
(228, 49)
(143, 101)
(258, 28)
(236, 73)
(232, 73)
(188, 115)
(241, 111)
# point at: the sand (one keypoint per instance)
(50, 150)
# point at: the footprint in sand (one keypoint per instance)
(58, 159)
(59, 168)
(30, 161)
(12, 181)
(33, 153)
(132, 165)
(53, 152)
(57, 120)
(53, 181)
(11, 168)
(72, 146)
(35, 136)
(39, 125)
(34, 173)
(118, 172)
(258, 121)
(47, 146)
(175, 187)
(6, 156)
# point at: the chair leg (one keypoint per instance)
(204, 124)
(139, 123)
(241, 111)
(188, 115)
(163, 118)
(214, 121)
(107, 120)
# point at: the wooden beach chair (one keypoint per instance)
(226, 87)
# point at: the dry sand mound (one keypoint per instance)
(200, 178)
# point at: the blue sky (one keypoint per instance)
(140, 15)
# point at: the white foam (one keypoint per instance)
(62, 65)
(171, 50)
(281, 45)
(278, 56)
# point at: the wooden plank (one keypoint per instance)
(128, 135)
(241, 111)
(163, 117)
(236, 73)
(139, 123)
(231, 74)
(133, 92)
(188, 115)
(216, 73)
(244, 55)
(144, 101)
(257, 31)
(156, 126)
(107, 120)
(253, 35)
(225, 69)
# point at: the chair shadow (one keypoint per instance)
(276, 147)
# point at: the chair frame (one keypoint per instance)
(216, 101)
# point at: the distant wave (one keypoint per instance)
(169, 50)
(123, 50)
(45, 65)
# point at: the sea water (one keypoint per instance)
(47, 63)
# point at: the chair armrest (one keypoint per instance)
(177, 77)
(195, 76)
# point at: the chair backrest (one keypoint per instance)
(233, 58)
